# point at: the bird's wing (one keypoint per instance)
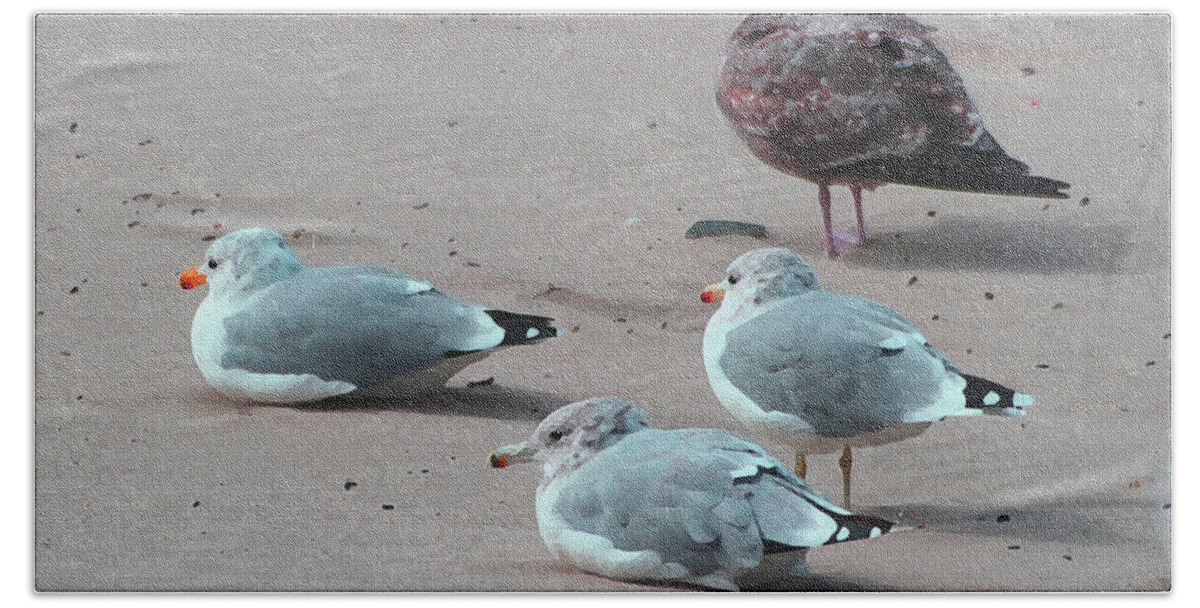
(702, 498)
(842, 364)
(652, 492)
(361, 325)
(788, 512)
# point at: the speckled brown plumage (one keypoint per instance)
(860, 101)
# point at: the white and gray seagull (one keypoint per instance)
(696, 506)
(823, 371)
(274, 330)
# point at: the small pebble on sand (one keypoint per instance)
(724, 227)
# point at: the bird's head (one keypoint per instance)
(243, 261)
(760, 277)
(573, 434)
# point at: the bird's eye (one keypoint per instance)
(556, 435)
(733, 280)
(212, 263)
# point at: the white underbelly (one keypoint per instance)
(434, 377)
(817, 444)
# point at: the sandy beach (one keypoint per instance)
(551, 165)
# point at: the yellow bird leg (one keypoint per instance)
(845, 462)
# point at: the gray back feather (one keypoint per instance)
(676, 493)
(818, 356)
(355, 324)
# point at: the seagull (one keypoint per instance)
(861, 101)
(274, 330)
(694, 506)
(823, 371)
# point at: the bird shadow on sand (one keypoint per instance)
(1083, 520)
(782, 583)
(497, 402)
(981, 244)
(816, 582)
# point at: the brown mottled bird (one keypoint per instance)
(861, 101)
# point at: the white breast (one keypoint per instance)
(779, 426)
(208, 345)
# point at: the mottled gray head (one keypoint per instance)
(246, 260)
(574, 433)
(762, 276)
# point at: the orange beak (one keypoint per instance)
(509, 455)
(191, 278)
(712, 294)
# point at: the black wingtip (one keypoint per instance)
(858, 527)
(985, 169)
(868, 522)
(983, 394)
(1002, 182)
(1038, 187)
(522, 329)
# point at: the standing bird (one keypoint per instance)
(697, 506)
(824, 371)
(272, 329)
(861, 101)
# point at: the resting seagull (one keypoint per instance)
(861, 101)
(274, 330)
(824, 371)
(697, 506)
